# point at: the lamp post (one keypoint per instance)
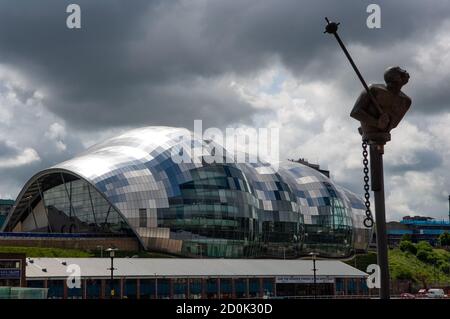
(111, 284)
(313, 256)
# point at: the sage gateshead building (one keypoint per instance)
(131, 186)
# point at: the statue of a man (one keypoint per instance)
(376, 125)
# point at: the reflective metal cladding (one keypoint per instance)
(131, 185)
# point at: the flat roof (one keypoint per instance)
(183, 267)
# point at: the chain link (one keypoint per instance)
(368, 221)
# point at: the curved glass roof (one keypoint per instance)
(200, 207)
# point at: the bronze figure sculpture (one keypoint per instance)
(377, 123)
(379, 109)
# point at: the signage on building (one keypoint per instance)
(303, 280)
(10, 273)
(12, 270)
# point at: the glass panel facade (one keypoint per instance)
(240, 285)
(193, 207)
(226, 288)
(55, 289)
(130, 288)
(164, 288)
(74, 207)
(212, 288)
(93, 288)
(195, 288)
(147, 289)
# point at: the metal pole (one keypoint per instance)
(376, 168)
(315, 280)
(449, 208)
(111, 285)
(332, 28)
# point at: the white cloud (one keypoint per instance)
(314, 123)
(57, 132)
(24, 157)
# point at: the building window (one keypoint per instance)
(142, 217)
(93, 288)
(130, 289)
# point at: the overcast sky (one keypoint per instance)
(251, 63)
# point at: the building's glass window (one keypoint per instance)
(195, 288)
(73, 206)
(254, 290)
(212, 288)
(179, 288)
(147, 289)
(130, 289)
(93, 288)
(163, 288)
(75, 293)
(36, 283)
(116, 287)
(268, 287)
(340, 288)
(142, 217)
(240, 286)
(226, 288)
(56, 289)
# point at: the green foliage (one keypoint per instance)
(403, 274)
(406, 237)
(445, 268)
(75, 253)
(423, 255)
(408, 246)
(404, 265)
(424, 245)
(444, 239)
(46, 252)
(362, 261)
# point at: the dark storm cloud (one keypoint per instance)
(421, 161)
(7, 151)
(139, 62)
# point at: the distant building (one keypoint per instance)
(418, 228)
(313, 166)
(186, 278)
(5, 207)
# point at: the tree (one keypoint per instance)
(423, 255)
(408, 246)
(424, 245)
(445, 268)
(406, 237)
(444, 239)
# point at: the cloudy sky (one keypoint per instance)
(247, 63)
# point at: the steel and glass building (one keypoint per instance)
(204, 205)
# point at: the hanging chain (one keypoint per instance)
(368, 221)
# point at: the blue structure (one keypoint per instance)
(206, 205)
(418, 228)
(5, 207)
